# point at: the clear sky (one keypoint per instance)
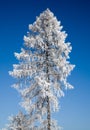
(15, 16)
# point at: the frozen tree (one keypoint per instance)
(43, 70)
(18, 122)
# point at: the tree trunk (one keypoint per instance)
(48, 102)
(48, 114)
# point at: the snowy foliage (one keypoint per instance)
(43, 68)
(18, 122)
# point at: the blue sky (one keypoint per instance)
(15, 16)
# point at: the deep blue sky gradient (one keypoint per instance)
(15, 16)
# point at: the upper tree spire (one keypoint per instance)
(43, 70)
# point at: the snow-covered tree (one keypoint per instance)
(18, 122)
(43, 70)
